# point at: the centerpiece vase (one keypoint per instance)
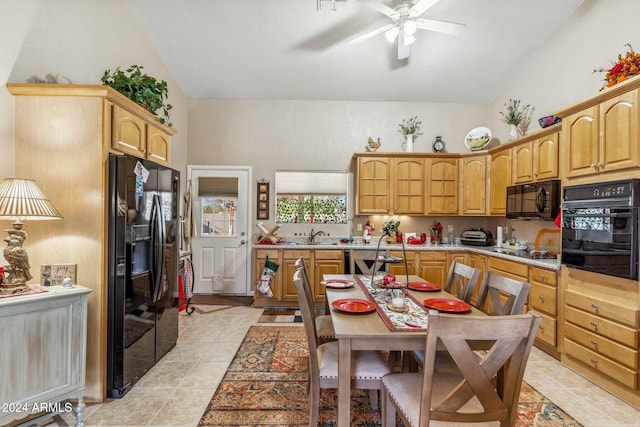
(408, 143)
(514, 132)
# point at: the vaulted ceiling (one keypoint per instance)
(288, 49)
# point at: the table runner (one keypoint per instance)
(414, 320)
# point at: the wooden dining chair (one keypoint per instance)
(500, 295)
(462, 280)
(484, 387)
(367, 367)
(362, 259)
(324, 324)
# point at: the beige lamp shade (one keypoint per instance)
(22, 199)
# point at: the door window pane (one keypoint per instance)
(218, 217)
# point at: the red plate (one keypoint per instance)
(338, 284)
(424, 286)
(351, 305)
(448, 305)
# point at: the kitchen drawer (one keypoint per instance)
(548, 329)
(541, 275)
(264, 253)
(329, 254)
(602, 364)
(433, 256)
(411, 255)
(602, 345)
(296, 253)
(508, 268)
(607, 328)
(543, 298)
(610, 310)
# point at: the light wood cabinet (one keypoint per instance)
(432, 266)
(373, 181)
(135, 136)
(499, 180)
(442, 186)
(536, 160)
(318, 263)
(325, 262)
(407, 175)
(473, 185)
(543, 299)
(602, 136)
(74, 127)
(603, 336)
(481, 262)
(398, 269)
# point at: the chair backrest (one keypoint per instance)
(308, 322)
(487, 386)
(300, 265)
(462, 280)
(501, 295)
(359, 258)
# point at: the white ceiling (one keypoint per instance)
(287, 49)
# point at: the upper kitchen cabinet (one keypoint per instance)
(473, 185)
(390, 185)
(535, 156)
(499, 180)
(600, 135)
(133, 135)
(442, 185)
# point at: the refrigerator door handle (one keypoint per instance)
(158, 236)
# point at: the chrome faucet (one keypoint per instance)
(312, 235)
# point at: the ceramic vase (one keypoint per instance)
(514, 132)
(407, 145)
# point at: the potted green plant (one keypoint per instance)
(140, 88)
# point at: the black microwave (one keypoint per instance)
(538, 200)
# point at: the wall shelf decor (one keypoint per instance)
(263, 199)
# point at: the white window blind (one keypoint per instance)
(302, 182)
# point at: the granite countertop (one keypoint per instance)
(519, 256)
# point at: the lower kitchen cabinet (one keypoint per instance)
(544, 301)
(432, 266)
(481, 262)
(318, 263)
(602, 336)
(399, 269)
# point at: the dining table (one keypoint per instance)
(377, 325)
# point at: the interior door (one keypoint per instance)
(220, 205)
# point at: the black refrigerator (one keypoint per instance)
(143, 268)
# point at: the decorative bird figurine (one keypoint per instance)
(373, 145)
(17, 257)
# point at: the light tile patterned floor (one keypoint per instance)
(178, 389)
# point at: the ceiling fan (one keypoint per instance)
(406, 22)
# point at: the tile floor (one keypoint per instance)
(178, 389)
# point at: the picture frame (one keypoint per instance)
(263, 200)
(54, 274)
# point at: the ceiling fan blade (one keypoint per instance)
(372, 33)
(420, 7)
(440, 26)
(404, 50)
(382, 8)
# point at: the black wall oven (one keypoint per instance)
(600, 227)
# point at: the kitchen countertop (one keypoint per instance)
(510, 254)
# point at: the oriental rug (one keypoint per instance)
(266, 385)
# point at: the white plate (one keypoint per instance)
(477, 138)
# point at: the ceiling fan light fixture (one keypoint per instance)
(391, 34)
(409, 39)
(409, 27)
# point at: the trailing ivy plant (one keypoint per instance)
(140, 88)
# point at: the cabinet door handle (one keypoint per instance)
(592, 165)
(599, 165)
(540, 297)
(594, 325)
(594, 361)
(594, 306)
(594, 343)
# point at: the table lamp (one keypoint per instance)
(20, 199)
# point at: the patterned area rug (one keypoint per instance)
(266, 385)
(284, 315)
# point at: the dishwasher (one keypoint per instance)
(360, 261)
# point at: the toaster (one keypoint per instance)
(477, 237)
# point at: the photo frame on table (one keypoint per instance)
(263, 200)
(54, 274)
